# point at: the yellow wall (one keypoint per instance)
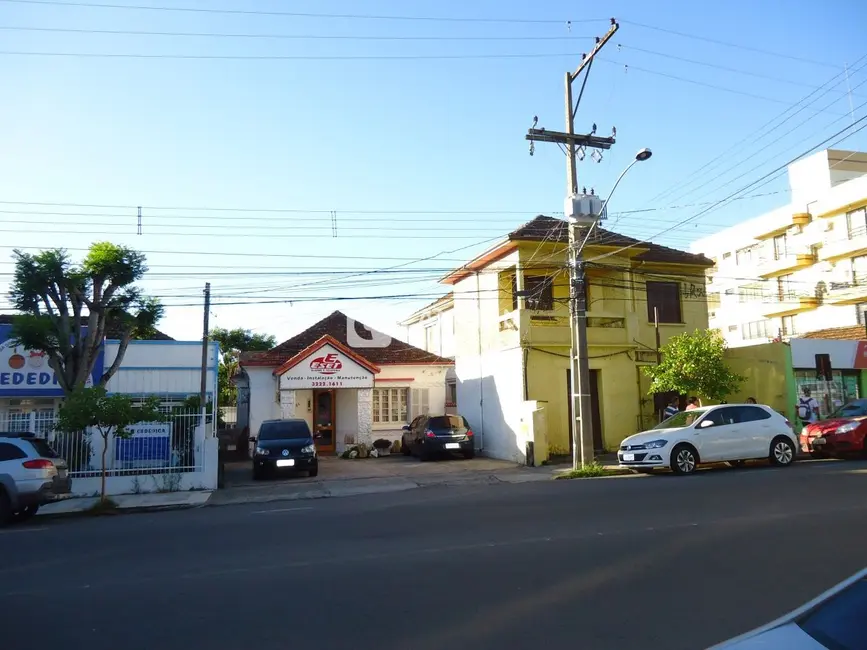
(766, 368)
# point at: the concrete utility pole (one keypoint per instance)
(582, 211)
(203, 390)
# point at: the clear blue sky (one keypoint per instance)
(374, 139)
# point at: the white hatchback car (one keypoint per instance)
(732, 433)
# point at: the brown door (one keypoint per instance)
(323, 420)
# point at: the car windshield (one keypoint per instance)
(284, 430)
(840, 622)
(681, 419)
(857, 408)
(447, 422)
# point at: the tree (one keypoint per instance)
(694, 364)
(67, 308)
(232, 343)
(87, 408)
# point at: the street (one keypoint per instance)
(652, 562)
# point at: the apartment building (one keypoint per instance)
(432, 328)
(799, 268)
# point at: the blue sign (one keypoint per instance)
(143, 448)
(26, 373)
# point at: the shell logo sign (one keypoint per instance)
(326, 365)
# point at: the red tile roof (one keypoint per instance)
(556, 231)
(335, 325)
(318, 345)
(853, 333)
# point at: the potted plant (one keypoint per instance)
(382, 446)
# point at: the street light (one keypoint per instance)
(586, 212)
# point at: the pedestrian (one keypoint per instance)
(808, 408)
(692, 403)
(751, 400)
(671, 409)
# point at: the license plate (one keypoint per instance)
(286, 463)
(453, 445)
(628, 456)
(818, 442)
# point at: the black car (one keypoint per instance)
(284, 445)
(433, 435)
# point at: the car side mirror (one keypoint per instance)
(705, 424)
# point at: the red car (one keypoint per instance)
(843, 433)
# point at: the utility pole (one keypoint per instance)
(582, 212)
(203, 390)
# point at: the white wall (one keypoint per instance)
(442, 326)
(263, 402)
(429, 377)
(347, 416)
(166, 368)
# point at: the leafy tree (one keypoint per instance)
(694, 364)
(87, 408)
(67, 308)
(232, 343)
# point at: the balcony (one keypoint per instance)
(788, 304)
(850, 244)
(535, 329)
(788, 262)
(847, 293)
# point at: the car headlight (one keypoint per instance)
(309, 449)
(846, 428)
(261, 452)
(656, 444)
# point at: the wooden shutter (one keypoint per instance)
(419, 402)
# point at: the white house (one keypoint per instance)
(352, 384)
(179, 451)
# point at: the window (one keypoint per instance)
(10, 452)
(755, 330)
(751, 293)
(781, 248)
(751, 414)
(448, 422)
(663, 300)
(389, 405)
(784, 288)
(856, 223)
(859, 270)
(429, 338)
(451, 394)
(746, 255)
(722, 417)
(789, 325)
(861, 313)
(420, 401)
(42, 448)
(538, 293)
(284, 430)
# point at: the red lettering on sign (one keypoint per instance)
(327, 365)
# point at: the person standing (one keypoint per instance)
(671, 409)
(751, 400)
(692, 403)
(808, 408)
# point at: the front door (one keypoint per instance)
(324, 432)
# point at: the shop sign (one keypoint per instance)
(845, 355)
(26, 372)
(148, 445)
(326, 367)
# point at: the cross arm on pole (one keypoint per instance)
(600, 43)
(577, 139)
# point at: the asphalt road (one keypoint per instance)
(644, 562)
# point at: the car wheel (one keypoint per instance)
(5, 508)
(684, 459)
(25, 513)
(736, 463)
(782, 452)
(469, 455)
(313, 473)
(405, 449)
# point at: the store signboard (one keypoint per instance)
(25, 373)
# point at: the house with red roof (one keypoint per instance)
(351, 383)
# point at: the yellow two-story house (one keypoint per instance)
(512, 336)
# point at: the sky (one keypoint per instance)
(294, 153)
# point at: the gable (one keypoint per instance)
(324, 366)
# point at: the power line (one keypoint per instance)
(748, 48)
(336, 37)
(297, 14)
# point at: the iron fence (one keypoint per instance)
(172, 446)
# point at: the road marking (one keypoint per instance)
(268, 512)
(22, 530)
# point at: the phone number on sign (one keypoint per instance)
(327, 384)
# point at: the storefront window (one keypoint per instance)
(831, 395)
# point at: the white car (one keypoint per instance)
(835, 620)
(731, 433)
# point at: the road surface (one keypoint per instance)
(651, 562)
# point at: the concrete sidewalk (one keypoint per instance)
(156, 501)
